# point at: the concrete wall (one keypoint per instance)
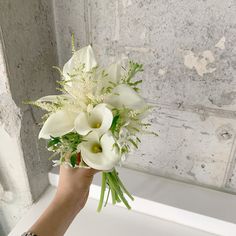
(27, 57)
(189, 55)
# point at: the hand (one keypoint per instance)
(70, 198)
(74, 185)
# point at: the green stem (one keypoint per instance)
(108, 194)
(103, 189)
(115, 175)
(117, 198)
(116, 187)
(113, 194)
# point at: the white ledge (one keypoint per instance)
(201, 208)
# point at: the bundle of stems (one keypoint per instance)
(115, 187)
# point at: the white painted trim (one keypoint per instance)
(205, 209)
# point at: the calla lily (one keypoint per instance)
(98, 119)
(99, 153)
(58, 124)
(124, 96)
(83, 56)
(114, 72)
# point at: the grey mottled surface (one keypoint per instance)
(195, 114)
(189, 77)
(29, 53)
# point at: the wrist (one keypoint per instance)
(67, 200)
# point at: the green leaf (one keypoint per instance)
(114, 123)
(53, 141)
(135, 83)
(132, 141)
(73, 159)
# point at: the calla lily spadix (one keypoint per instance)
(100, 153)
(59, 123)
(99, 119)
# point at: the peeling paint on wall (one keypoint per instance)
(195, 99)
(200, 62)
(126, 3)
(221, 43)
(162, 71)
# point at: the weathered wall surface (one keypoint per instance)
(189, 54)
(29, 52)
(14, 186)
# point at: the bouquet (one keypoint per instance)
(96, 120)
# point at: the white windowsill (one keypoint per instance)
(201, 208)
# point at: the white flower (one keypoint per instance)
(54, 98)
(99, 153)
(98, 119)
(124, 96)
(83, 56)
(59, 123)
(114, 72)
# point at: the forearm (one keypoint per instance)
(57, 217)
(71, 196)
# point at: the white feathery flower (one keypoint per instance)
(99, 153)
(54, 98)
(99, 119)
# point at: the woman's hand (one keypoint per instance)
(70, 198)
(74, 185)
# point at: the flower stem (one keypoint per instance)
(115, 187)
(115, 175)
(113, 194)
(107, 197)
(103, 189)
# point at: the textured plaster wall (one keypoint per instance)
(189, 54)
(27, 57)
(14, 185)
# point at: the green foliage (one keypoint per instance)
(73, 159)
(71, 141)
(66, 143)
(115, 122)
(134, 68)
(53, 142)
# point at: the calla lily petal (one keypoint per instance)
(58, 124)
(82, 125)
(83, 56)
(124, 96)
(114, 72)
(106, 158)
(99, 119)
